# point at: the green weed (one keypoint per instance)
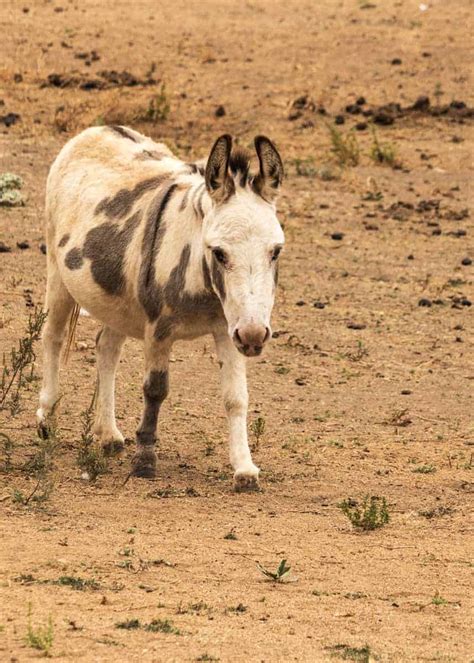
(40, 637)
(371, 515)
(280, 575)
(383, 153)
(344, 147)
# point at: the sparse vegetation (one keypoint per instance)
(280, 575)
(383, 153)
(162, 626)
(231, 535)
(158, 107)
(359, 654)
(76, 583)
(19, 366)
(438, 600)
(90, 456)
(424, 469)
(155, 626)
(344, 147)
(40, 637)
(371, 515)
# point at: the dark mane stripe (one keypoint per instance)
(239, 164)
(123, 132)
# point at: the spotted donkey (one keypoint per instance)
(161, 250)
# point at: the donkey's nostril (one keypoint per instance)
(251, 335)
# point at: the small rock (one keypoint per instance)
(466, 262)
(4, 248)
(353, 109)
(361, 101)
(300, 382)
(220, 111)
(466, 302)
(23, 245)
(383, 119)
(396, 61)
(424, 302)
(406, 392)
(339, 119)
(18, 78)
(319, 305)
(411, 257)
(421, 104)
(300, 303)
(337, 236)
(361, 126)
(43, 248)
(9, 119)
(355, 325)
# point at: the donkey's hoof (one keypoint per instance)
(112, 447)
(144, 466)
(245, 482)
(43, 430)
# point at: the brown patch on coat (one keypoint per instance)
(155, 390)
(150, 293)
(105, 247)
(119, 205)
(185, 306)
(73, 259)
(64, 240)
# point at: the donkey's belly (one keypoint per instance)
(121, 312)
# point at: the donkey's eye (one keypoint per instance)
(220, 256)
(276, 253)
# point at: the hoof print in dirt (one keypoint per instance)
(245, 483)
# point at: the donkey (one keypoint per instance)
(161, 250)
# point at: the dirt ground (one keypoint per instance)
(366, 388)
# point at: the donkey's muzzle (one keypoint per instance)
(250, 339)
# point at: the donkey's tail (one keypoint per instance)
(71, 334)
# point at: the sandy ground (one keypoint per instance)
(366, 393)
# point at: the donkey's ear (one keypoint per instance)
(218, 182)
(267, 182)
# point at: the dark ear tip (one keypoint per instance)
(227, 138)
(258, 140)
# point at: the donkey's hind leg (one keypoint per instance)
(109, 344)
(59, 305)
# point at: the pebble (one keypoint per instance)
(4, 248)
(337, 236)
(466, 262)
(424, 302)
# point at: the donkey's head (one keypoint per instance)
(243, 238)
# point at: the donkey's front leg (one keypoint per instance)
(155, 390)
(234, 392)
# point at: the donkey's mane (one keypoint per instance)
(239, 164)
